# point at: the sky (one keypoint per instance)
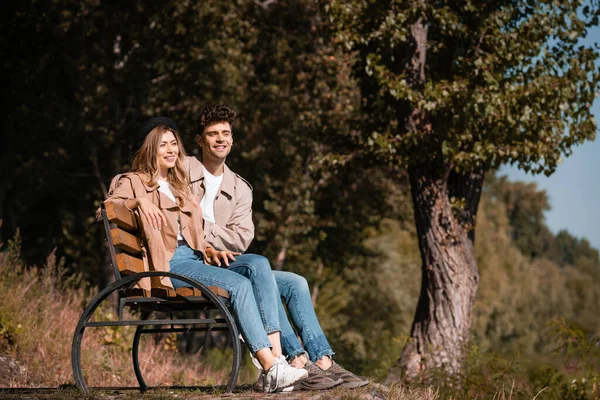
(574, 188)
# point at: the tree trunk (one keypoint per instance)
(450, 278)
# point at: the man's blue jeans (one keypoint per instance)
(294, 291)
(187, 262)
(269, 288)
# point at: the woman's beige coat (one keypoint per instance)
(161, 244)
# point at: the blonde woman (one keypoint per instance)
(158, 189)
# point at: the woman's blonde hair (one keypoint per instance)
(145, 162)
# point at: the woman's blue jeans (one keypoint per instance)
(188, 263)
(258, 270)
(294, 291)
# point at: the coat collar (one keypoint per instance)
(138, 176)
(188, 206)
(228, 185)
(196, 173)
(146, 183)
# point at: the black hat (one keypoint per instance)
(147, 127)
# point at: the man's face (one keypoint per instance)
(215, 141)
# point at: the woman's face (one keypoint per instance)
(168, 150)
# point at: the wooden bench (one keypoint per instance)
(124, 238)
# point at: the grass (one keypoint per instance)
(38, 315)
(41, 307)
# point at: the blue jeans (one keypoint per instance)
(294, 291)
(187, 262)
(258, 270)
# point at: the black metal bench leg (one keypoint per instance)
(135, 350)
(76, 360)
(79, 331)
(237, 359)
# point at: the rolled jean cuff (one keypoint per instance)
(256, 347)
(290, 346)
(324, 353)
(270, 330)
(295, 354)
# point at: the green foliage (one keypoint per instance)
(572, 373)
(489, 83)
(525, 207)
(568, 250)
(513, 285)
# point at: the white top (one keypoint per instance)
(211, 187)
(163, 186)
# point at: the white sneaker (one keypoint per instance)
(255, 361)
(281, 376)
(260, 384)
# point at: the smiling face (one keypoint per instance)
(166, 155)
(215, 142)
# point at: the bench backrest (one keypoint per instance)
(125, 237)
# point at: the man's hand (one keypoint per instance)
(215, 256)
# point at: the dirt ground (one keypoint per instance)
(163, 394)
(10, 369)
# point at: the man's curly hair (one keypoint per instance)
(213, 114)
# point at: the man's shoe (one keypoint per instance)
(317, 379)
(281, 376)
(351, 380)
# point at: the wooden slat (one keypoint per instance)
(128, 264)
(188, 291)
(219, 291)
(125, 240)
(121, 216)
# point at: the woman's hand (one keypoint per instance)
(215, 256)
(151, 212)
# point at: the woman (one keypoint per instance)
(158, 189)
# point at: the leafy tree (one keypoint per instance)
(451, 90)
(525, 206)
(568, 250)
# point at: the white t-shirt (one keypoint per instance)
(163, 186)
(211, 185)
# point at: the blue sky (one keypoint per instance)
(574, 189)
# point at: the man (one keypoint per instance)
(226, 202)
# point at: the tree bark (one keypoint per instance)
(449, 282)
(450, 278)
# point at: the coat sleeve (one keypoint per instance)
(121, 190)
(111, 189)
(238, 232)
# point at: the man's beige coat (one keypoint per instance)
(233, 229)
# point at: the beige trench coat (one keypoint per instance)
(161, 244)
(233, 229)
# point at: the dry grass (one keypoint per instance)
(37, 320)
(38, 315)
